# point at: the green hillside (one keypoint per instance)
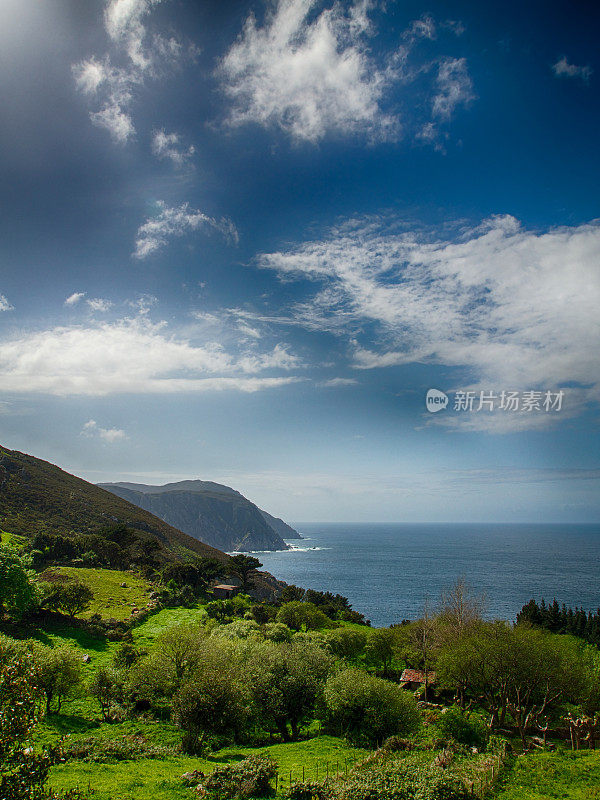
(39, 497)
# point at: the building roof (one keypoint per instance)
(417, 676)
(226, 587)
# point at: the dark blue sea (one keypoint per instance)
(387, 570)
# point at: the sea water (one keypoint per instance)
(388, 571)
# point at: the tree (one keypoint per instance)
(380, 649)
(108, 687)
(460, 608)
(367, 709)
(73, 598)
(347, 643)
(212, 704)
(60, 673)
(16, 587)
(243, 566)
(297, 616)
(287, 682)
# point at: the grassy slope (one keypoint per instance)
(110, 599)
(36, 496)
(152, 779)
(562, 774)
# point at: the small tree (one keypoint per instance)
(367, 709)
(73, 598)
(107, 687)
(211, 704)
(380, 649)
(243, 566)
(60, 673)
(16, 587)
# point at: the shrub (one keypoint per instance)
(16, 588)
(303, 616)
(248, 778)
(465, 728)
(211, 708)
(367, 709)
(277, 632)
(309, 790)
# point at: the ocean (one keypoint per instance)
(387, 571)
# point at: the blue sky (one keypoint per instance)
(241, 240)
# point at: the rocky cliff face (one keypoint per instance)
(279, 526)
(216, 515)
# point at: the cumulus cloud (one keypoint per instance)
(74, 298)
(562, 69)
(4, 304)
(133, 356)
(174, 222)
(110, 435)
(168, 146)
(517, 308)
(136, 55)
(312, 74)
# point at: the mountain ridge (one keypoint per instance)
(211, 512)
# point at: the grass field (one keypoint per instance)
(154, 779)
(110, 598)
(546, 776)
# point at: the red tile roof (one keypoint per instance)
(417, 676)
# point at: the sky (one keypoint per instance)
(241, 241)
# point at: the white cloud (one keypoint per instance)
(168, 145)
(74, 298)
(518, 308)
(308, 76)
(110, 435)
(562, 69)
(310, 72)
(177, 221)
(99, 304)
(454, 87)
(132, 356)
(334, 383)
(4, 304)
(141, 56)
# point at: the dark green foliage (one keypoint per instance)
(71, 598)
(309, 790)
(347, 643)
(243, 567)
(367, 709)
(465, 728)
(248, 778)
(196, 574)
(560, 619)
(334, 606)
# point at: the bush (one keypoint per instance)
(465, 728)
(367, 709)
(107, 687)
(309, 790)
(211, 708)
(248, 778)
(59, 671)
(303, 616)
(400, 779)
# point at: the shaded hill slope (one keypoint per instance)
(39, 497)
(215, 514)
